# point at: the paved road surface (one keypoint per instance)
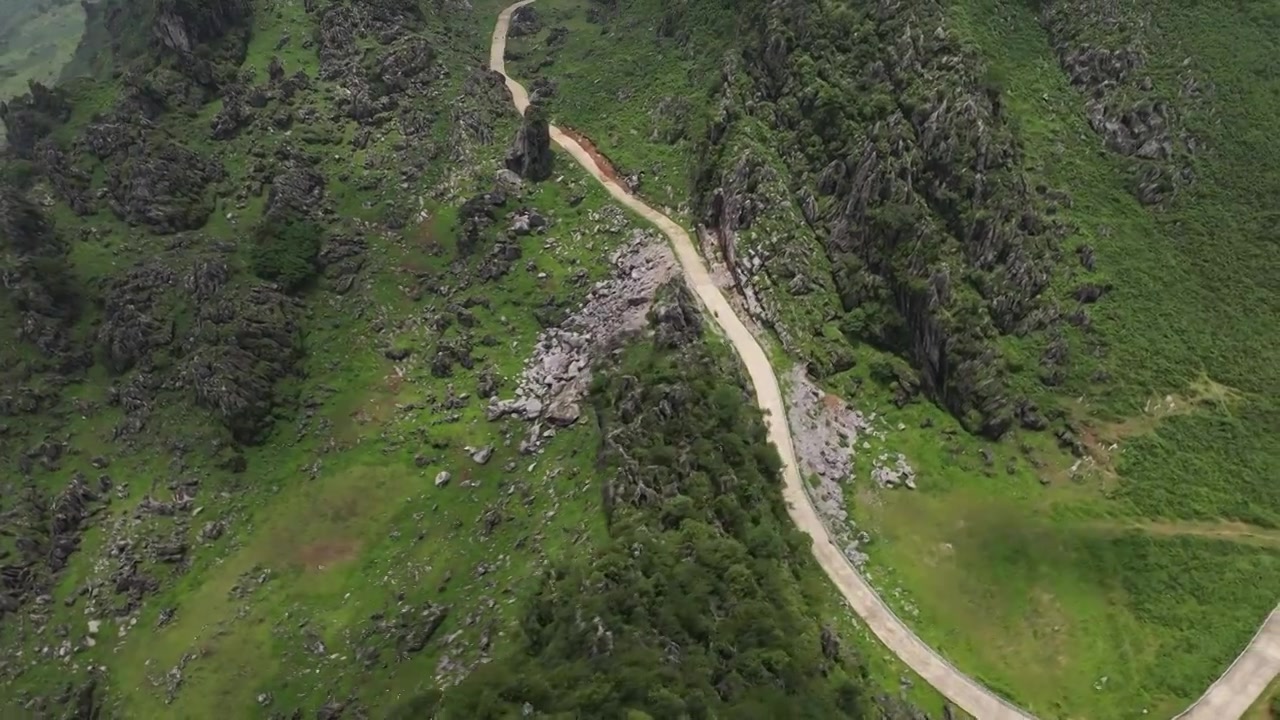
(1227, 699)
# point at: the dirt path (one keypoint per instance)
(1259, 662)
(1236, 532)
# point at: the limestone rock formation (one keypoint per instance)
(525, 21)
(163, 186)
(247, 340)
(935, 243)
(530, 154)
(183, 25)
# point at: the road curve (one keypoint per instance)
(1231, 695)
(1242, 683)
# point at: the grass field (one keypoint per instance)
(1125, 581)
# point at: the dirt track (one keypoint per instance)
(1226, 700)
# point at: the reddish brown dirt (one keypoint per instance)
(602, 161)
(323, 554)
(394, 382)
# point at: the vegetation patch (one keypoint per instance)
(285, 251)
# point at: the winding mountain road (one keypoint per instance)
(1220, 703)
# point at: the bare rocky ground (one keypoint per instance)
(557, 375)
(827, 433)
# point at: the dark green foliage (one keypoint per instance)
(23, 228)
(33, 116)
(911, 180)
(693, 607)
(284, 251)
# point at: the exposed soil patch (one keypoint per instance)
(1227, 530)
(601, 160)
(1103, 443)
(375, 409)
(324, 554)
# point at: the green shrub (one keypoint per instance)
(691, 607)
(18, 173)
(284, 251)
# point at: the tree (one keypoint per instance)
(284, 251)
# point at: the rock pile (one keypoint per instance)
(892, 470)
(826, 430)
(557, 375)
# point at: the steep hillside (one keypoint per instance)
(1038, 241)
(297, 413)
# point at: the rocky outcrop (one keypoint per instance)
(246, 340)
(24, 230)
(36, 279)
(175, 323)
(296, 191)
(136, 320)
(557, 376)
(183, 25)
(69, 182)
(935, 242)
(1101, 53)
(234, 116)
(474, 114)
(47, 533)
(163, 186)
(117, 133)
(530, 154)
(341, 259)
(675, 317)
(476, 216)
(525, 21)
(31, 117)
(407, 67)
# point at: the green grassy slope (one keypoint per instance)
(1195, 295)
